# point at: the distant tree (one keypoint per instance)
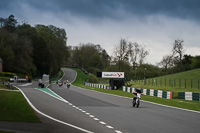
(2, 22)
(196, 62)
(134, 49)
(91, 57)
(121, 52)
(132, 53)
(187, 62)
(96, 62)
(142, 54)
(150, 71)
(167, 62)
(178, 49)
(105, 58)
(10, 23)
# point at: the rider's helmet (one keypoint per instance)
(138, 90)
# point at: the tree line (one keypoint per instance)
(43, 49)
(31, 50)
(129, 57)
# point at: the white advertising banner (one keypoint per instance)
(112, 74)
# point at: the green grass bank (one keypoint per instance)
(188, 81)
(14, 107)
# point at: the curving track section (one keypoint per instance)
(80, 110)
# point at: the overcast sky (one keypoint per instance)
(153, 23)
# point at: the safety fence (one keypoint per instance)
(98, 86)
(192, 96)
(151, 92)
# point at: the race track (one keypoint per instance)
(80, 110)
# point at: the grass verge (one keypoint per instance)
(191, 105)
(2, 86)
(13, 107)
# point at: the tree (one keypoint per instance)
(134, 49)
(55, 39)
(167, 62)
(105, 58)
(92, 57)
(196, 62)
(6, 53)
(187, 62)
(178, 49)
(142, 54)
(96, 62)
(10, 23)
(121, 52)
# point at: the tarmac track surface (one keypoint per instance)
(119, 113)
(102, 113)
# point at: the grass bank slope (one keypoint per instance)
(188, 81)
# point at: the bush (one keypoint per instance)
(4, 78)
(92, 79)
(7, 74)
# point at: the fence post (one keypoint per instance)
(185, 83)
(174, 82)
(156, 82)
(191, 83)
(160, 82)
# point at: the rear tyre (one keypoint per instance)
(138, 102)
(134, 102)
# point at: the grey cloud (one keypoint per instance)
(109, 8)
(185, 9)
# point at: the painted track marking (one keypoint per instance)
(62, 99)
(62, 122)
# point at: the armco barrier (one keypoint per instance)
(192, 96)
(151, 92)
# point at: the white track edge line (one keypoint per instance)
(84, 130)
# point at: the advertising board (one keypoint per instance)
(112, 74)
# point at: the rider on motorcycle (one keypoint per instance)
(137, 90)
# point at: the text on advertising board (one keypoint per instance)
(112, 74)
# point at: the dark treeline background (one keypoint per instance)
(31, 50)
(43, 49)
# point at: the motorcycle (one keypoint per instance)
(60, 83)
(136, 99)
